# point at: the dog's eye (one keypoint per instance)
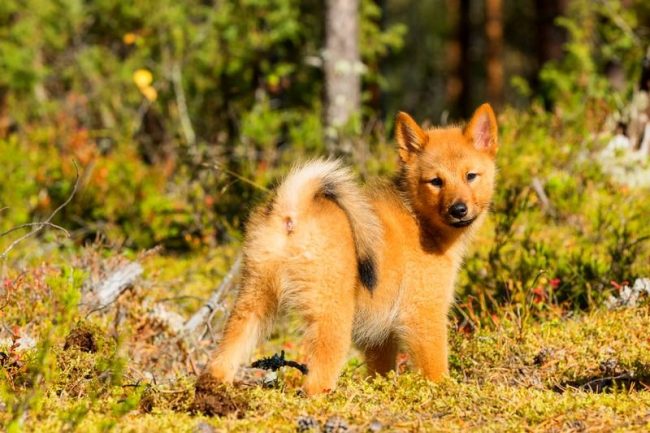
(436, 181)
(471, 176)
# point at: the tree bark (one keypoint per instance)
(454, 83)
(550, 37)
(342, 68)
(465, 64)
(494, 37)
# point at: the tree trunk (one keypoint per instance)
(550, 37)
(342, 69)
(459, 61)
(454, 82)
(494, 36)
(465, 64)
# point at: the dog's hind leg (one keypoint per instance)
(328, 337)
(328, 343)
(251, 316)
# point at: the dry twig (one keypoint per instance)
(113, 285)
(238, 176)
(39, 226)
(117, 282)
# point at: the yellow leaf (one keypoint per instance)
(142, 78)
(129, 38)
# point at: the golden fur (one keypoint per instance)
(376, 265)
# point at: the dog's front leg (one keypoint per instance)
(426, 338)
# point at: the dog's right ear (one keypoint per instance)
(409, 136)
(482, 130)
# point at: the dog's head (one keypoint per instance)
(448, 173)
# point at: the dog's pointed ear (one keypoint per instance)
(482, 130)
(409, 136)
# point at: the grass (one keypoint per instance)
(519, 374)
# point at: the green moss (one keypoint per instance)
(499, 383)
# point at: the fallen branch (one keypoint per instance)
(113, 286)
(625, 381)
(117, 282)
(38, 226)
(203, 314)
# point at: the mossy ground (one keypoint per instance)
(519, 374)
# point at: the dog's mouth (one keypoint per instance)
(461, 223)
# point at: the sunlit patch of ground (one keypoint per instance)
(126, 368)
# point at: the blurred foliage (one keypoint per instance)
(603, 38)
(146, 96)
(570, 254)
(592, 238)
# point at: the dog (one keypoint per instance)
(374, 265)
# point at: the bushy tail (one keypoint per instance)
(329, 178)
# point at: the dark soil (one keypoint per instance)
(607, 384)
(213, 398)
(613, 377)
(81, 338)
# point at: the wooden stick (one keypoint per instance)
(203, 314)
(109, 290)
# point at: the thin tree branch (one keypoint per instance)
(22, 226)
(47, 223)
(238, 176)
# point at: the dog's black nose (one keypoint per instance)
(458, 210)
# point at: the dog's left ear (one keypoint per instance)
(482, 130)
(410, 138)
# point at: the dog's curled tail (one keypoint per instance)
(334, 182)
